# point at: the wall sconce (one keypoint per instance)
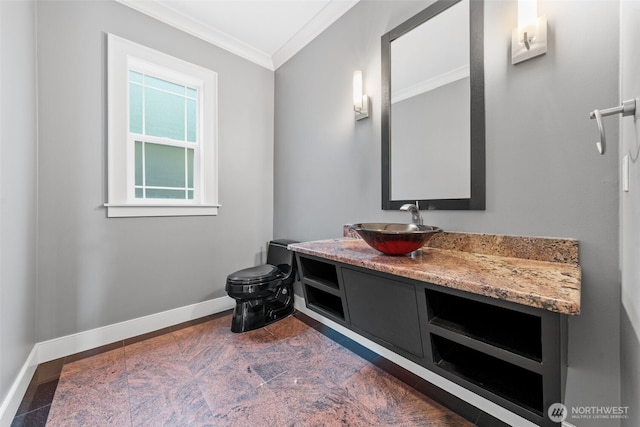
(361, 103)
(530, 38)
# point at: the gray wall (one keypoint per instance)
(95, 271)
(544, 175)
(17, 189)
(630, 213)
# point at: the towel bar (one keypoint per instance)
(628, 108)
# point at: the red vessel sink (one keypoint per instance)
(395, 239)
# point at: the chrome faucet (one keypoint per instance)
(415, 212)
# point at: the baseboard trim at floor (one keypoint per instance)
(484, 405)
(87, 340)
(11, 403)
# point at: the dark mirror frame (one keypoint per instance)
(476, 61)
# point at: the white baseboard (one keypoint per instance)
(468, 396)
(82, 341)
(86, 340)
(11, 403)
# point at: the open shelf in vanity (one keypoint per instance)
(510, 382)
(321, 286)
(324, 302)
(512, 331)
(495, 349)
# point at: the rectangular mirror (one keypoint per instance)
(433, 109)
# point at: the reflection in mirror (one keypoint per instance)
(433, 109)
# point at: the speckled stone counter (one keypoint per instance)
(537, 272)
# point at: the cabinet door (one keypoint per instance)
(384, 309)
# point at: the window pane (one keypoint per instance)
(190, 194)
(165, 194)
(164, 85)
(139, 193)
(138, 161)
(164, 166)
(135, 108)
(190, 153)
(164, 114)
(192, 122)
(135, 77)
(192, 93)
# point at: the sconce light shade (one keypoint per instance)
(357, 89)
(360, 101)
(527, 12)
(530, 38)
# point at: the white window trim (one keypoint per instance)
(120, 169)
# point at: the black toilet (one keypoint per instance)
(263, 294)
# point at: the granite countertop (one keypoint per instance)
(538, 272)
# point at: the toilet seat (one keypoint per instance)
(254, 282)
(254, 275)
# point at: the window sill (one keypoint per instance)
(152, 210)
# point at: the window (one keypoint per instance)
(162, 151)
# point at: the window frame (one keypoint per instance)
(123, 56)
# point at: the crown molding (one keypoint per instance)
(312, 29)
(189, 25)
(170, 16)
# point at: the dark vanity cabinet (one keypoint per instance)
(511, 354)
(385, 311)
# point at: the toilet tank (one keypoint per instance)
(283, 258)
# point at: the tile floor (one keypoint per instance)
(202, 374)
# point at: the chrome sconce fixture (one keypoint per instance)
(530, 38)
(361, 102)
